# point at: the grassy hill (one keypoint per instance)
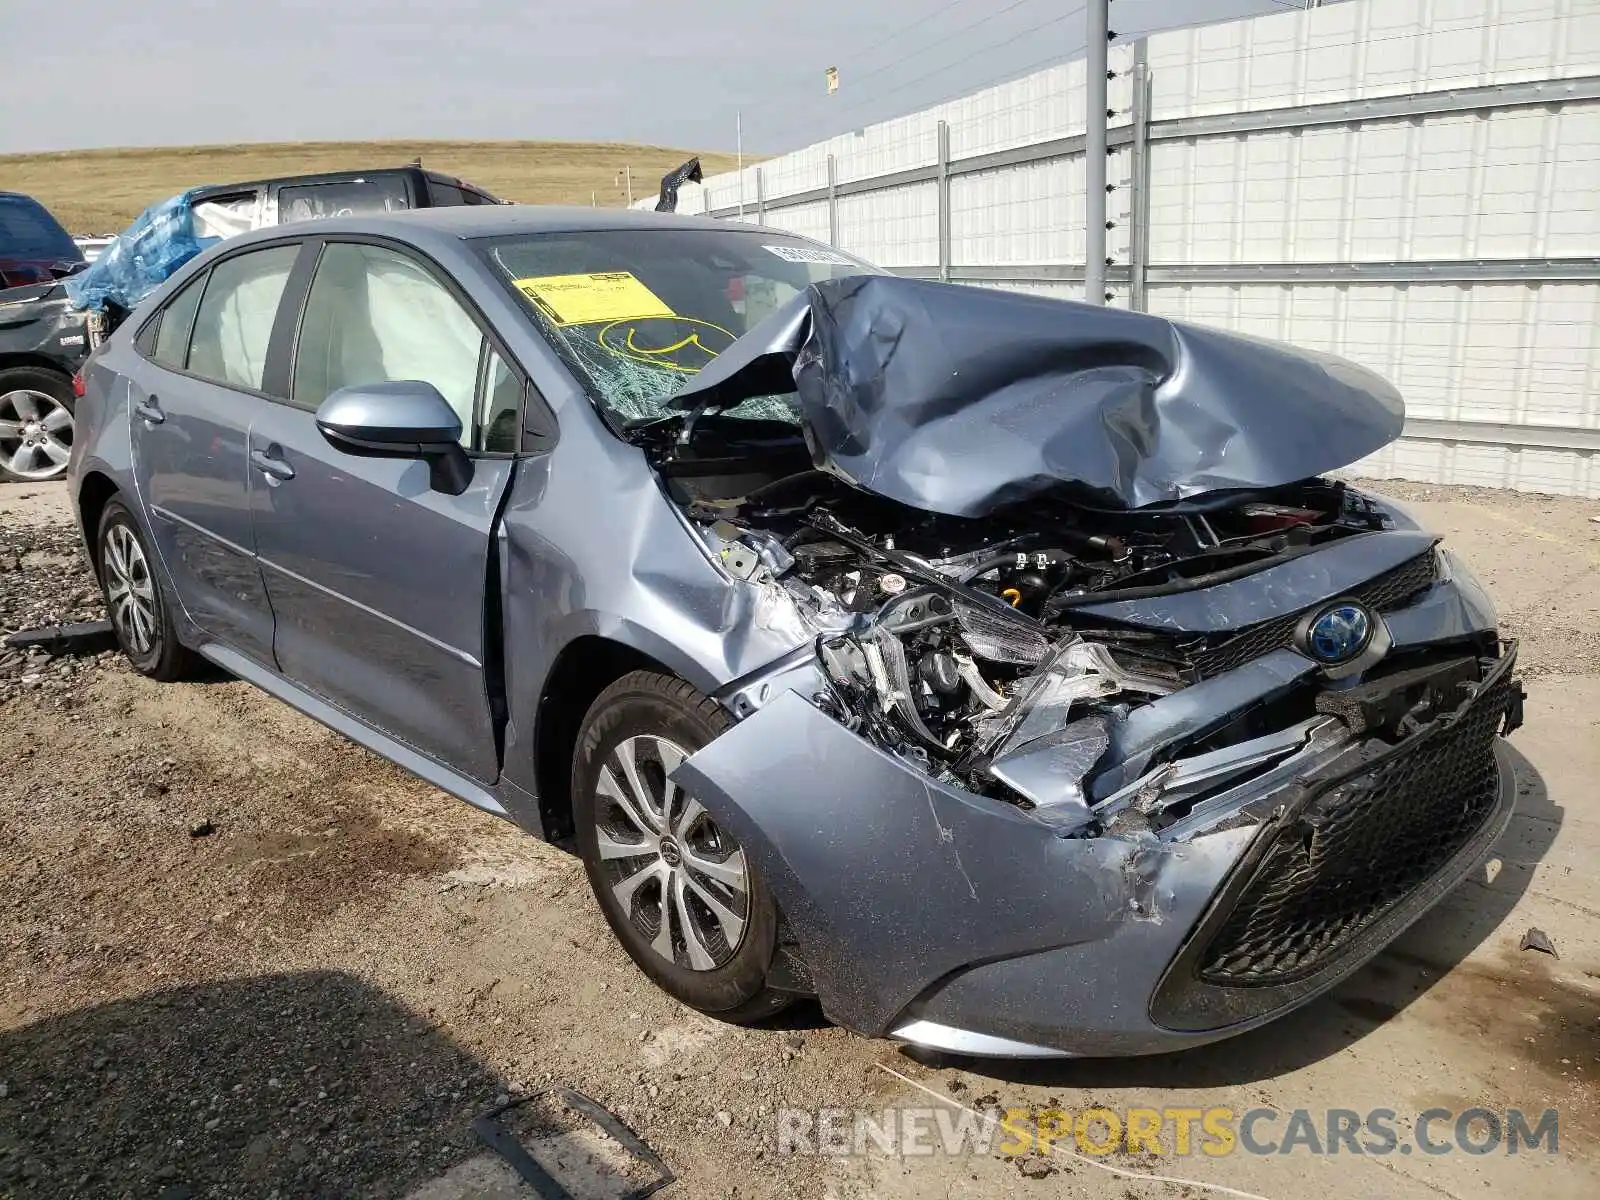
(100, 191)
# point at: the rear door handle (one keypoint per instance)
(149, 411)
(271, 467)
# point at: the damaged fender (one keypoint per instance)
(893, 881)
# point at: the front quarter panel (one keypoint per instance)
(893, 881)
(594, 547)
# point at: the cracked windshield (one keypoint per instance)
(638, 313)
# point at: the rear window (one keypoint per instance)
(27, 230)
(346, 198)
(637, 313)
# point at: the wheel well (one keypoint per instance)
(37, 361)
(584, 669)
(93, 494)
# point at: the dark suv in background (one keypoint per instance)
(44, 339)
(33, 246)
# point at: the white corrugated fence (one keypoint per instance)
(1414, 184)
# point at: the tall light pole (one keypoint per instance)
(1097, 18)
(738, 138)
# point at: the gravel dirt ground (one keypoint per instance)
(241, 957)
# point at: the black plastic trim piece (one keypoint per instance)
(1183, 1002)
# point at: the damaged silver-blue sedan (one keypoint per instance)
(1004, 672)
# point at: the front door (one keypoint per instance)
(191, 404)
(378, 583)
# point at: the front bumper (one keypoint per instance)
(958, 921)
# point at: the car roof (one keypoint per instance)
(499, 220)
(205, 189)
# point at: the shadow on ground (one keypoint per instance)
(1415, 962)
(294, 1085)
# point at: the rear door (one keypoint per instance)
(378, 583)
(193, 396)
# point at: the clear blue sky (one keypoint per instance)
(671, 72)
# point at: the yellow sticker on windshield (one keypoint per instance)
(587, 299)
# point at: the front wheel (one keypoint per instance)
(136, 601)
(675, 887)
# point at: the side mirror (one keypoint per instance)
(403, 418)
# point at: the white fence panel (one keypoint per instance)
(1017, 215)
(1521, 468)
(1512, 183)
(893, 146)
(894, 228)
(808, 220)
(1518, 353)
(1440, 223)
(801, 171)
(1363, 50)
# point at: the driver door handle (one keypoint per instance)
(272, 468)
(149, 411)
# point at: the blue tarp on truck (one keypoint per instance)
(142, 257)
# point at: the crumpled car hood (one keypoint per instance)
(962, 400)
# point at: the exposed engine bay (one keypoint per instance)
(958, 643)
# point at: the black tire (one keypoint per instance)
(164, 658)
(651, 705)
(58, 388)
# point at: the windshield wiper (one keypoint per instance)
(648, 424)
(686, 421)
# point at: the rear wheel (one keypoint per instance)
(136, 600)
(36, 413)
(675, 887)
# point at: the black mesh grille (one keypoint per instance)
(1393, 589)
(1359, 849)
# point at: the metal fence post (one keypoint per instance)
(1139, 201)
(761, 199)
(833, 202)
(1096, 21)
(944, 201)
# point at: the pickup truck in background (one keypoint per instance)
(45, 338)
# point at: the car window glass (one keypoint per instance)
(27, 230)
(227, 215)
(502, 407)
(445, 194)
(373, 316)
(177, 318)
(346, 198)
(638, 313)
(234, 324)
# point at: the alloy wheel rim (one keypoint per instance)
(680, 879)
(35, 434)
(130, 591)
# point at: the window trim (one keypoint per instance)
(530, 443)
(151, 329)
(438, 194)
(144, 341)
(531, 396)
(211, 275)
(300, 243)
